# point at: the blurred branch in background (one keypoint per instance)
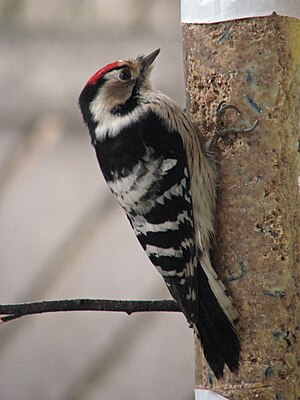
(104, 363)
(72, 246)
(14, 311)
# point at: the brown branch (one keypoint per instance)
(14, 311)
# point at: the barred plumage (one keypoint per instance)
(152, 160)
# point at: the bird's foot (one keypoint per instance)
(220, 131)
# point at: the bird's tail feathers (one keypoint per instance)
(214, 324)
(209, 311)
(218, 288)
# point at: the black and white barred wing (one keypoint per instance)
(166, 229)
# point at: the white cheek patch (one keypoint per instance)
(110, 125)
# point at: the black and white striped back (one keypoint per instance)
(146, 169)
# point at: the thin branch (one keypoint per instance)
(14, 311)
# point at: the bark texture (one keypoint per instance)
(255, 65)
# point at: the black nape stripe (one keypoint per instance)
(127, 107)
(130, 104)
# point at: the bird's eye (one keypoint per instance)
(125, 74)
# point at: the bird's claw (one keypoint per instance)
(219, 132)
(222, 107)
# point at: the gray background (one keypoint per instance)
(62, 233)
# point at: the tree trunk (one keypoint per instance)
(254, 64)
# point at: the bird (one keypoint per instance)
(165, 180)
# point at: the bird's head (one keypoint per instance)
(115, 87)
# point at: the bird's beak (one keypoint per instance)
(146, 61)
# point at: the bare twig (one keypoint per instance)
(14, 311)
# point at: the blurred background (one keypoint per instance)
(62, 233)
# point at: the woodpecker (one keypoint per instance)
(154, 164)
